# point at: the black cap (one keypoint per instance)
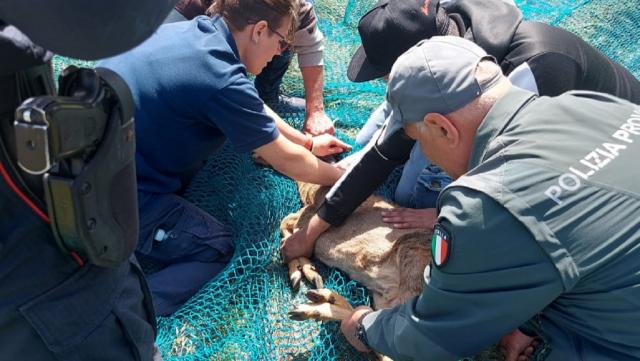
(86, 29)
(389, 29)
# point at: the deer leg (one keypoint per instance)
(311, 274)
(324, 305)
(303, 266)
(325, 295)
(295, 273)
(288, 224)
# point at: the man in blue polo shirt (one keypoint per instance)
(308, 46)
(191, 90)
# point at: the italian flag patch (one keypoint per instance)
(440, 245)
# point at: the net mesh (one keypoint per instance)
(241, 314)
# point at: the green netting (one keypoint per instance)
(241, 315)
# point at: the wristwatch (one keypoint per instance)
(361, 333)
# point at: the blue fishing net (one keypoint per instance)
(241, 314)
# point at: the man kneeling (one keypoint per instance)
(539, 230)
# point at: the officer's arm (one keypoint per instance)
(359, 182)
(496, 278)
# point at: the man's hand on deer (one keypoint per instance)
(327, 144)
(409, 218)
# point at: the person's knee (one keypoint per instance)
(179, 231)
(404, 196)
(425, 197)
(430, 183)
(363, 137)
(422, 192)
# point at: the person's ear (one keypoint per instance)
(258, 31)
(442, 128)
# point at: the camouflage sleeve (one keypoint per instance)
(308, 43)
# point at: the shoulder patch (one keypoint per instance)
(440, 245)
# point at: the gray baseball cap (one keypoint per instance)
(437, 75)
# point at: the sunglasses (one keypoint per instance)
(283, 42)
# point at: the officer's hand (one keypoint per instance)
(349, 325)
(318, 123)
(405, 218)
(327, 144)
(516, 346)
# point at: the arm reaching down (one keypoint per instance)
(321, 145)
(372, 167)
(301, 243)
(295, 161)
(378, 160)
(316, 121)
(309, 45)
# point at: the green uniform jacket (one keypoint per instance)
(544, 228)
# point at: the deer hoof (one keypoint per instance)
(317, 281)
(319, 296)
(310, 272)
(295, 273)
(328, 296)
(324, 305)
(294, 280)
(303, 266)
(299, 313)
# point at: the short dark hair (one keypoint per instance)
(239, 13)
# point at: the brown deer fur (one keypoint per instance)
(388, 262)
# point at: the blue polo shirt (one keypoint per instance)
(191, 93)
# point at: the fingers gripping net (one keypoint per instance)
(241, 314)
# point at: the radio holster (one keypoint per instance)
(82, 143)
